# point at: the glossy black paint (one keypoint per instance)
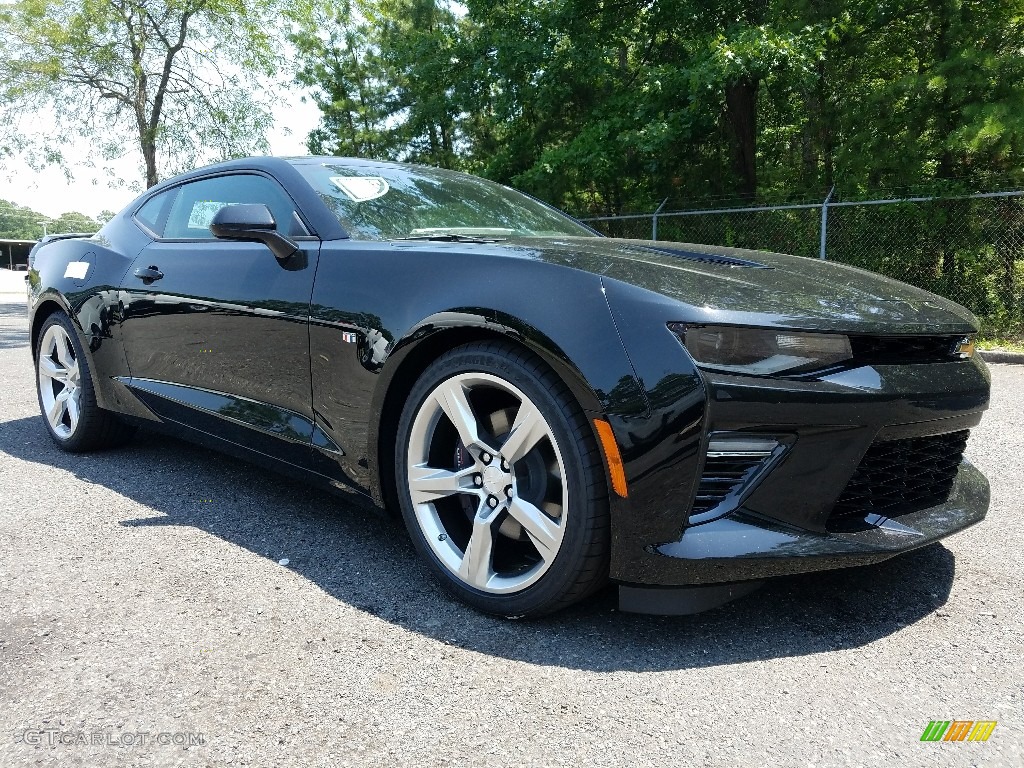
(304, 363)
(226, 317)
(749, 546)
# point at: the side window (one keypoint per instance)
(197, 203)
(153, 214)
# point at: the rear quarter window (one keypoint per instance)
(153, 213)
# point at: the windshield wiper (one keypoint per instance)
(454, 237)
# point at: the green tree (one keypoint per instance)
(175, 75)
(604, 106)
(20, 223)
(72, 221)
(622, 103)
(383, 73)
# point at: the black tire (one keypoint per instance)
(580, 565)
(95, 428)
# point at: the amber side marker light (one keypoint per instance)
(611, 455)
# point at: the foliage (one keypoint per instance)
(176, 76)
(613, 105)
(382, 74)
(20, 223)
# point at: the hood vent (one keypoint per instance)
(706, 258)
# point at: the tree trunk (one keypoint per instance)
(741, 111)
(149, 153)
(147, 142)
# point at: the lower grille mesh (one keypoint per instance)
(900, 476)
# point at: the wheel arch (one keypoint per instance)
(42, 311)
(413, 354)
(97, 353)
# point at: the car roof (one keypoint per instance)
(274, 163)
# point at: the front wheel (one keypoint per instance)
(501, 484)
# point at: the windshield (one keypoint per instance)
(383, 202)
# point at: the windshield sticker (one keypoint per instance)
(202, 214)
(361, 188)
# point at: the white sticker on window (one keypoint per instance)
(202, 214)
(361, 188)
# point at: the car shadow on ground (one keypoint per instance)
(368, 562)
(11, 338)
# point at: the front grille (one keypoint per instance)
(900, 476)
(723, 476)
(894, 350)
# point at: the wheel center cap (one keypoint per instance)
(495, 481)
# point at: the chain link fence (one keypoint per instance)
(969, 248)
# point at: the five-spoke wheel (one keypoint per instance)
(497, 468)
(67, 399)
(60, 390)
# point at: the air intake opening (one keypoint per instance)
(733, 466)
(899, 476)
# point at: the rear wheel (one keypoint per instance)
(67, 398)
(501, 483)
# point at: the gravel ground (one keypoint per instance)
(144, 592)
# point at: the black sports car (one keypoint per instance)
(547, 408)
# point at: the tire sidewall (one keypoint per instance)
(560, 576)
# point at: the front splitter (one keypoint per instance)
(681, 601)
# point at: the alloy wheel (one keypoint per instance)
(486, 480)
(60, 390)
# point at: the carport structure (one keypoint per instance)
(15, 252)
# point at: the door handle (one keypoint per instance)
(148, 274)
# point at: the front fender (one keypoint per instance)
(662, 450)
(368, 343)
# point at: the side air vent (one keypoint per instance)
(733, 466)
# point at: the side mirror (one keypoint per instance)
(254, 223)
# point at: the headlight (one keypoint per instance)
(759, 351)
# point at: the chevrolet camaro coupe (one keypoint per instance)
(547, 409)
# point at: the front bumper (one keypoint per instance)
(746, 546)
(784, 524)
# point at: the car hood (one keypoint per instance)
(753, 287)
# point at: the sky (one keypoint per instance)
(92, 190)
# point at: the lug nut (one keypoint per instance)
(504, 466)
(508, 491)
(485, 458)
(478, 480)
(492, 502)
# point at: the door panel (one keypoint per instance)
(225, 317)
(216, 333)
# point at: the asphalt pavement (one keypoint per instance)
(163, 605)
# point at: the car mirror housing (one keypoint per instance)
(252, 222)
